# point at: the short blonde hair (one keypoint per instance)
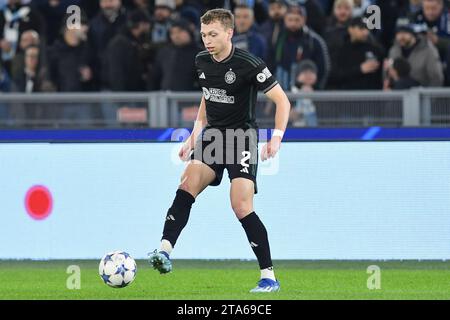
(224, 16)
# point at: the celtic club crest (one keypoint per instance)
(230, 77)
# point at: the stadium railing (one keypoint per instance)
(412, 108)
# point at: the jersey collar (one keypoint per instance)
(226, 59)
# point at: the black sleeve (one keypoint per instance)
(262, 77)
(196, 63)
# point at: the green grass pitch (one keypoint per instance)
(214, 280)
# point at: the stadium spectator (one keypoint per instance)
(342, 14)
(336, 31)
(126, 55)
(271, 28)
(143, 5)
(391, 12)
(102, 28)
(304, 112)
(90, 8)
(161, 21)
(259, 8)
(6, 116)
(34, 76)
(421, 54)
(189, 10)
(209, 4)
(399, 76)
(436, 16)
(174, 67)
(16, 18)
(412, 8)
(245, 35)
(360, 8)
(358, 61)
(295, 43)
(316, 16)
(327, 6)
(5, 84)
(68, 69)
(53, 12)
(28, 38)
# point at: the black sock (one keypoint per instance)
(257, 236)
(177, 216)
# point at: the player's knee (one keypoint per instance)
(241, 208)
(189, 185)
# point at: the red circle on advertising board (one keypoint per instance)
(38, 202)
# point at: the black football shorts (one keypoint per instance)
(233, 149)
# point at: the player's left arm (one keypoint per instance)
(283, 106)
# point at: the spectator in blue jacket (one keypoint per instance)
(246, 37)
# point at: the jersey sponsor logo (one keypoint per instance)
(217, 95)
(267, 73)
(206, 93)
(230, 77)
(202, 76)
(263, 75)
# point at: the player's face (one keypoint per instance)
(215, 37)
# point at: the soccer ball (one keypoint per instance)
(117, 269)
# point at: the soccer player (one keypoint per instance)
(230, 78)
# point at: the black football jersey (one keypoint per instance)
(230, 87)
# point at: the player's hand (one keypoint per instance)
(270, 149)
(185, 151)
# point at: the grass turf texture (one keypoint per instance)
(211, 280)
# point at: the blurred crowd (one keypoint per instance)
(149, 45)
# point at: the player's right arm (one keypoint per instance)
(199, 125)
